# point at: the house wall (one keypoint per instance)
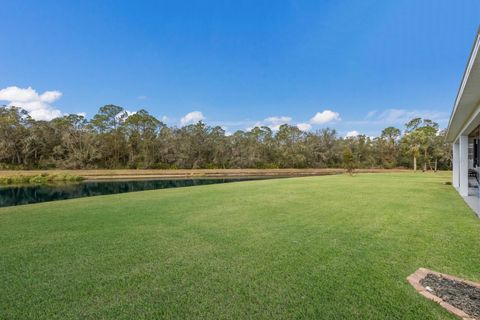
(460, 159)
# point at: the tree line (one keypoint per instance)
(114, 139)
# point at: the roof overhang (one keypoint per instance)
(468, 96)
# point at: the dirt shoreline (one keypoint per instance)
(122, 174)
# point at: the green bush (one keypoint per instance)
(42, 178)
(268, 165)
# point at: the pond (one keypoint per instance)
(17, 195)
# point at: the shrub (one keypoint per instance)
(348, 160)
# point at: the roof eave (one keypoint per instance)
(466, 74)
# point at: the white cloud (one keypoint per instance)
(352, 133)
(275, 122)
(325, 117)
(192, 117)
(256, 124)
(50, 96)
(38, 106)
(82, 114)
(142, 97)
(19, 94)
(227, 132)
(275, 127)
(304, 126)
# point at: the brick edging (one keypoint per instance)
(415, 278)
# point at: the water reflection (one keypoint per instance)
(17, 195)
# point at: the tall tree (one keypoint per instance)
(141, 130)
(109, 123)
(388, 144)
(79, 148)
(292, 151)
(14, 130)
(420, 136)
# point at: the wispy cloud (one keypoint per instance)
(273, 122)
(370, 114)
(399, 117)
(277, 120)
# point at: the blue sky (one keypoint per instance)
(350, 65)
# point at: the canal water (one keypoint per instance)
(18, 195)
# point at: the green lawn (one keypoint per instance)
(331, 247)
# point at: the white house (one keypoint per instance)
(464, 131)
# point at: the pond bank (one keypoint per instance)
(123, 174)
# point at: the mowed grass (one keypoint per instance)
(330, 247)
